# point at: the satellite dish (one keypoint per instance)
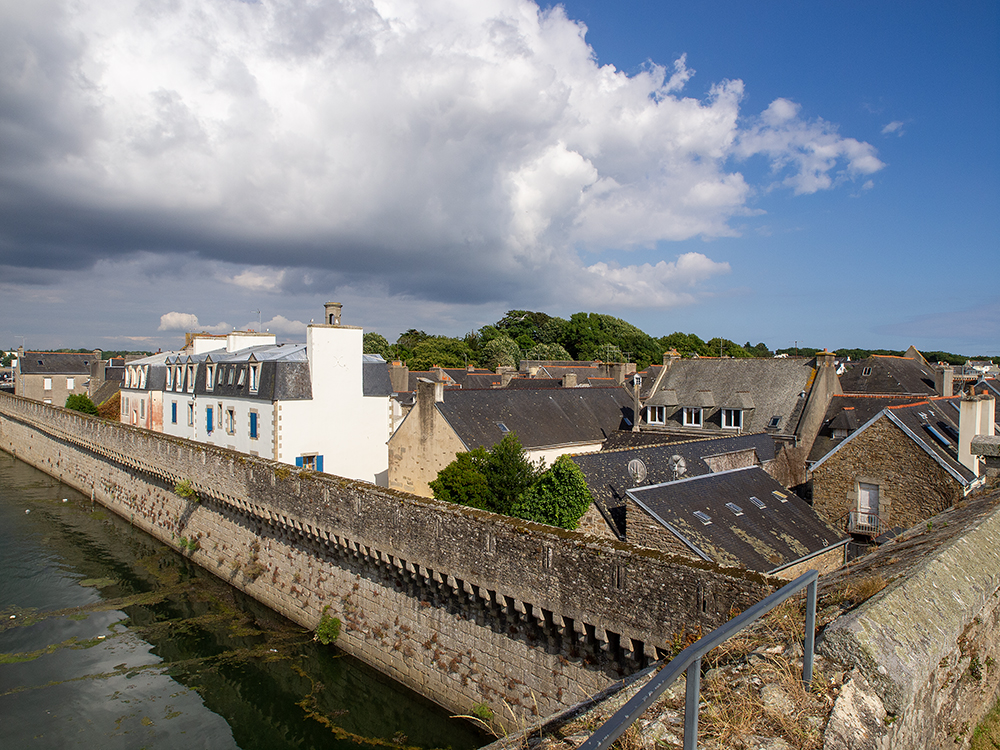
(678, 465)
(637, 470)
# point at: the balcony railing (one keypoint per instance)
(866, 524)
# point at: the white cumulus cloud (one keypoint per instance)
(188, 322)
(429, 147)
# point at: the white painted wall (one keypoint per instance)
(549, 455)
(349, 430)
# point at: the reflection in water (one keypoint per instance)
(109, 639)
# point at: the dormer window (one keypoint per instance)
(142, 376)
(232, 373)
(693, 416)
(254, 378)
(866, 372)
(242, 378)
(190, 378)
(732, 419)
(209, 377)
(170, 379)
(656, 414)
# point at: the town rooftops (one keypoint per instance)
(846, 413)
(610, 473)
(770, 392)
(889, 375)
(932, 424)
(56, 363)
(540, 418)
(741, 517)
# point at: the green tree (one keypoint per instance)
(463, 481)
(80, 402)
(7, 359)
(585, 333)
(439, 351)
(549, 352)
(559, 497)
(491, 479)
(609, 353)
(686, 344)
(376, 343)
(502, 351)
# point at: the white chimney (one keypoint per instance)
(975, 417)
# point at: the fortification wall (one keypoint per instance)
(924, 650)
(464, 606)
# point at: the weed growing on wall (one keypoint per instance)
(328, 628)
(184, 489)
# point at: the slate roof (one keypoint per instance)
(540, 418)
(850, 411)
(375, 376)
(764, 539)
(773, 386)
(55, 363)
(106, 391)
(932, 424)
(888, 375)
(608, 477)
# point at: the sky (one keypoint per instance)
(821, 174)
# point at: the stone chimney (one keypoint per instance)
(825, 358)
(429, 393)
(506, 375)
(331, 313)
(669, 357)
(569, 380)
(944, 381)
(399, 376)
(975, 419)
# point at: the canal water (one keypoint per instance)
(109, 639)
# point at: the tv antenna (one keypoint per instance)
(678, 466)
(637, 470)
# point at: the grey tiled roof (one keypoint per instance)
(888, 375)
(375, 377)
(55, 363)
(608, 477)
(540, 418)
(762, 539)
(773, 386)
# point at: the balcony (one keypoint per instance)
(865, 524)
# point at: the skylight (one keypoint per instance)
(703, 517)
(735, 508)
(937, 435)
(775, 421)
(780, 495)
(503, 428)
(758, 502)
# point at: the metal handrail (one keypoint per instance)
(859, 522)
(689, 660)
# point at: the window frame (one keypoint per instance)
(732, 419)
(661, 415)
(688, 416)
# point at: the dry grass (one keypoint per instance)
(854, 592)
(987, 734)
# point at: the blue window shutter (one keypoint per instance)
(319, 463)
(208, 419)
(298, 462)
(173, 412)
(253, 424)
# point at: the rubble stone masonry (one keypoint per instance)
(461, 605)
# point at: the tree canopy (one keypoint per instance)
(504, 480)
(82, 403)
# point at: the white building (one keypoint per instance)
(322, 405)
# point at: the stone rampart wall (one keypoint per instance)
(464, 606)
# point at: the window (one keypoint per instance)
(47, 401)
(209, 419)
(703, 517)
(142, 408)
(692, 416)
(782, 497)
(222, 374)
(190, 415)
(209, 377)
(170, 379)
(253, 425)
(142, 376)
(735, 508)
(232, 372)
(732, 419)
(220, 416)
(173, 412)
(190, 378)
(866, 372)
(656, 414)
(230, 421)
(758, 502)
(311, 461)
(243, 377)
(254, 378)
(775, 421)
(70, 384)
(47, 384)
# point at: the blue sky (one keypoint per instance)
(816, 172)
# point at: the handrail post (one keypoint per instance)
(692, 697)
(809, 644)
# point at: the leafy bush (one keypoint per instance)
(328, 628)
(184, 489)
(559, 497)
(81, 403)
